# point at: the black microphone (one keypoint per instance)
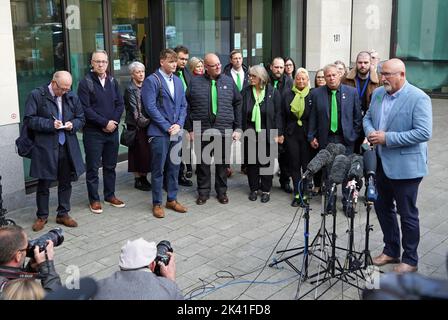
(339, 170)
(322, 158)
(370, 171)
(335, 149)
(356, 171)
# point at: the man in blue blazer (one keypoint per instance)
(164, 100)
(399, 123)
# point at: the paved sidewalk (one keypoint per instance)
(221, 249)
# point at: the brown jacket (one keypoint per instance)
(374, 82)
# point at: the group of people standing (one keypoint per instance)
(217, 106)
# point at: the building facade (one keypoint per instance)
(43, 36)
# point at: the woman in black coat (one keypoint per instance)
(295, 111)
(139, 154)
(260, 115)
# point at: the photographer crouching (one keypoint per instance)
(15, 248)
(147, 272)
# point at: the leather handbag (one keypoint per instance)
(127, 137)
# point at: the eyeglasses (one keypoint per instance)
(214, 65)
(252, 76)
(62, 89)
(289, 65)
(100, 61)
(389, 74)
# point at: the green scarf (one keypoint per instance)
(298, 103)
(256, 113)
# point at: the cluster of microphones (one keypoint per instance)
(342, 168)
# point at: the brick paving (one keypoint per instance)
(222, 251)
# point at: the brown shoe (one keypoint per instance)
(67, 221)
(384, 259)
(404, 267)
(176, 206)
(39, 224)
(95, 207)
(157, 211)
(115, 202)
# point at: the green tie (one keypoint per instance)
(334, 112)
(214, 98)
(238, 81)
(181, 76)
(275, 84)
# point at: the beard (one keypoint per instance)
(387, 87)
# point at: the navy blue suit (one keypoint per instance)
(172, 111)
(351, 117)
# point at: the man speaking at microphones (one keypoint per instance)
(399, 124)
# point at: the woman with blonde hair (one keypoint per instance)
(196, 66)
(21, 289)
(296, 110)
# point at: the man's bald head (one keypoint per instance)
(61, 82)
(393, 75)
(212, 65)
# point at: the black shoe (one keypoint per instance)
(140, 185)
(222, 198)
(286, 187)
(253, 196)
(189, 174)
(201, 200)
(295, 203)
(185, 182)
(265, 197)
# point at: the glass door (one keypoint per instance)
(261, 32)
(130, 36)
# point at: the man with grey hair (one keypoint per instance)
(103, 105)
(136, 279)
(54, 114)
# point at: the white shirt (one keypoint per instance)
(58, 101)
(234, 73)
(169, 81)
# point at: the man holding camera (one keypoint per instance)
(14, 250)
(137, 279)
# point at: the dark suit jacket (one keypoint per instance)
(351, 118)
(172, 111)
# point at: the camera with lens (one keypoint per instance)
(163, 247)
(54, 235)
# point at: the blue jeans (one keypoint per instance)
(100, 148)
(163, 158)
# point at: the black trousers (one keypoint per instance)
(298, 152)
(283, 163)
(203, 170)
(257, 180)
(64, 187)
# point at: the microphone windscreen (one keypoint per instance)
(321, 159)
(370, 162)
(335, 149)
(356, 167)
(87, 289)
(339, 170)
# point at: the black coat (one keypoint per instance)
(199, 104)
(39, 118)
(131, 95)
(272, 104)
(227, 71)
(290, 119)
